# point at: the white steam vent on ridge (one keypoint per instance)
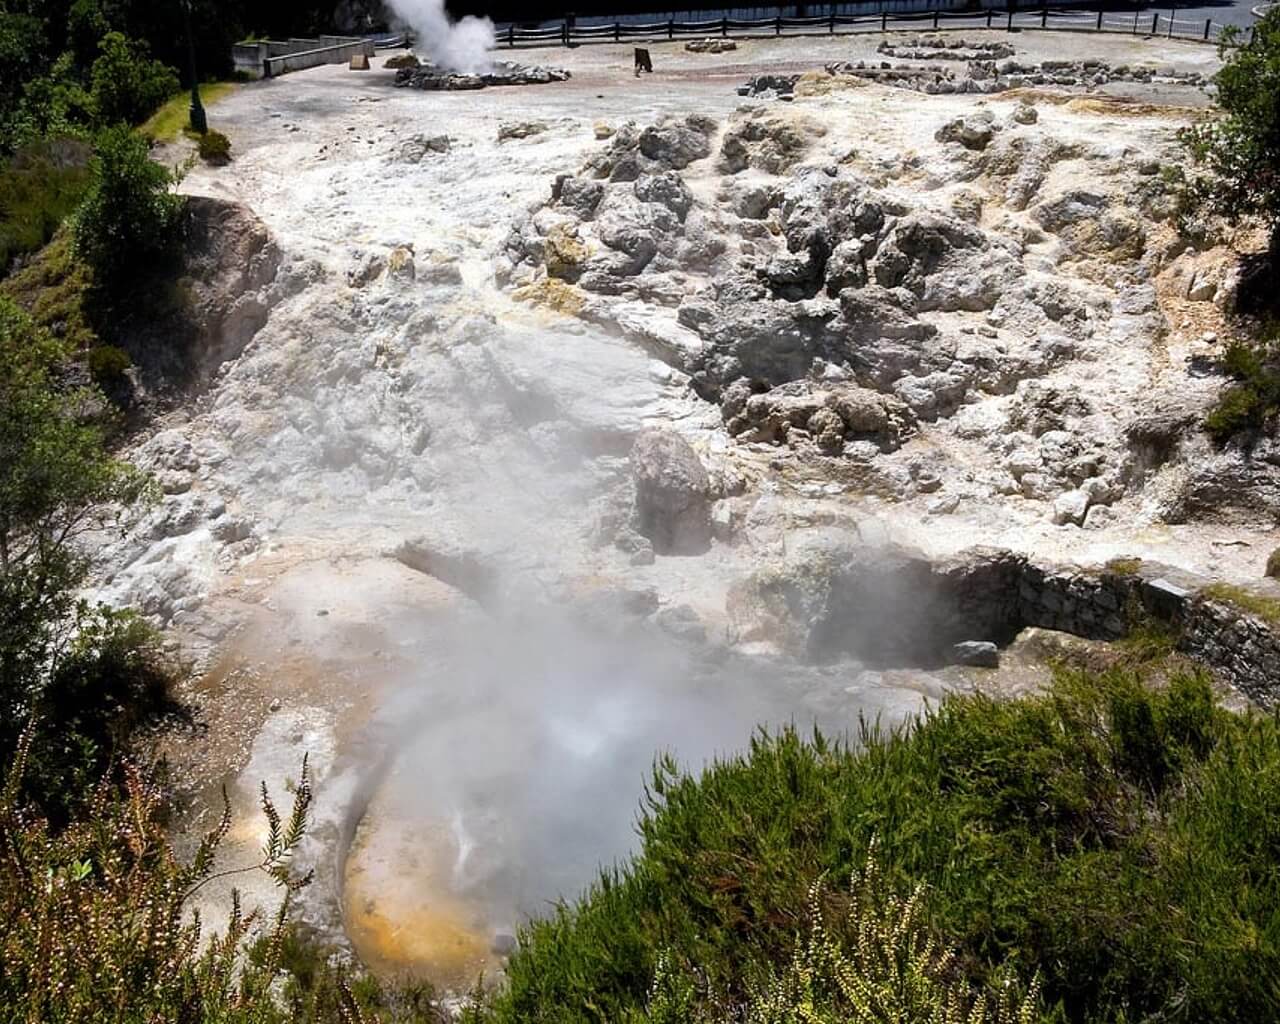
(454, 45)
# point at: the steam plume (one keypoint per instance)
(455, 45)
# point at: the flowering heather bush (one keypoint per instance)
(94, 920)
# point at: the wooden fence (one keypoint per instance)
(1140, 23)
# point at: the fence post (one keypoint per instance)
(884, 22)
(564, 32)
(1135, 23)
(935, 19)
(777, 25)
(1155, 24)
(1044, 16)
(1009, 26)
(1172, 21)
(617, 31)
(1207, 23)
(511, 35)
(671, 28)
(988, 17)
(833, 19)
(724, 26)
(1099, 21)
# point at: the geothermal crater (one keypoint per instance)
(573, 424)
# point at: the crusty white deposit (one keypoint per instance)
(869, 313)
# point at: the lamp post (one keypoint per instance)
(199, 123)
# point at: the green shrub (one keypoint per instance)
(1090, 833)
(107, 365)
(127, 85)
(214, 147)
(128, 218)
(1254, 399)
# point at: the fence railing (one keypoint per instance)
(1142, 23)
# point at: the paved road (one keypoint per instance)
(1233, 12)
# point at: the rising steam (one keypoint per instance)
(455, 45)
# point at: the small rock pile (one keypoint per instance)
(946, 49)
(710, 45)
(990, 76)
(503, 72)
(782, 87)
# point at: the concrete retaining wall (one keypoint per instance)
(272, 57)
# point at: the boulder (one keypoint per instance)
(579, 196)
(973, 131)
(672, 493)
(1025, 113)
(674, 145)
(519, 129)
(667, 189)
(1069, 508)
(416, 148)
(976, 654)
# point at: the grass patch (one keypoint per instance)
(172, 119)
(55, 289)
(1265, 608)
(39, 187)
(1119, 839)
(1125, 566)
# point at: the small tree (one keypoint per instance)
(130, 212)
(127, 85)
(1240, 150)
(86, 673)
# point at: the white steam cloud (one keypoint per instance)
(455, 45)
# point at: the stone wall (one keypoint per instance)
(991, 595)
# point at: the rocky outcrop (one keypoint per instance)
(504, 72)
(790, 289)
(985, 74)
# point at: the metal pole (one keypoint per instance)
(196, 115)
(1207, 23)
